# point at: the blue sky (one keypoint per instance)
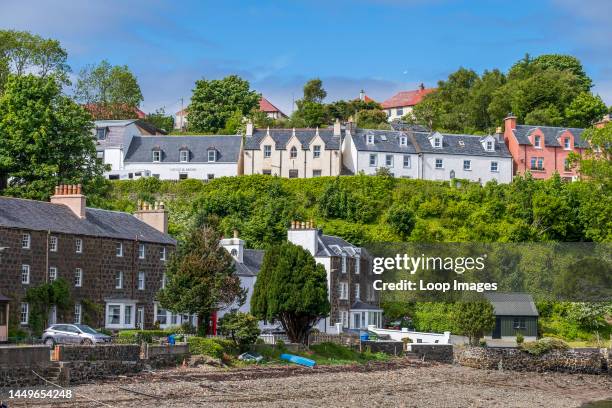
(381, 46)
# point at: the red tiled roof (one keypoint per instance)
(266, 106)
(366, 98)
(406, 98)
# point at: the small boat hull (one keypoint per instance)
(306, 362)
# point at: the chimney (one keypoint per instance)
(155, 215)
(235, 247)
(422, 86)
(70, 195)
(498, 134)
(304, 234)
(362, 95)
(249, 128)
(509, 122)
(337, 128)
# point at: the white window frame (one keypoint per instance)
(156, 156)
(316, 151)
(122, 324)
(141, 251)
(437, 143)
(389, 163)
(25, 272)
(537, 142)
(53, 243)
(77, 313)
(141, 280)
(214, 156)
(52, 273)
(162, 254)
(441, 166)
(375, 157)
(164, 281)
(567, 144)
(407, 161)
(343, 289)
(184, 156)
(26, 241)
(357, 291)
(267, 151)
(469, 165)
(370, 139)
(78, 245)
(293, 152)
(490, 146)
(119, 249)
(403, 141)
(357, 265)
(344, 268)
(344, 318)
(494, 167)
(119, 280)
(24, 313)
(78, 277)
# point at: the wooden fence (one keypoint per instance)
(345, 339)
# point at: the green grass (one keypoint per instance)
(323, 354)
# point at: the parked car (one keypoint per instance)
(73, 334)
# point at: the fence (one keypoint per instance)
(345, 339)
(274, 338)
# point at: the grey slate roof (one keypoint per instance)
(119, 131)
(44, 216)
(141, 148)
(551, 133)
(512, 304)
(282, 136)
(384, 141)
(452, 144)
(3, 298)
(328, 245)
(403, 126)
(251, 262)
(359, 305)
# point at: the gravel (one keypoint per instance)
(399, 383)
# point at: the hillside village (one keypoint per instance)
(233, 234)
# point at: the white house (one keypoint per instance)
(183, 157)
(403, 102)
(475, 158)
(180, 119)
(367, 150)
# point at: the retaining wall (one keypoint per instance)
(394, 348)
(442, 353)
(17, 364)
(588, 361)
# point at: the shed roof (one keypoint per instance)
(512, 304)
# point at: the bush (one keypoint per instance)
(140, 336)
(520, 338)
(544, 345)
(242, 328)
(210, 347)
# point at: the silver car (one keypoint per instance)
(73, 334)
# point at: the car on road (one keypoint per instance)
(73, 334)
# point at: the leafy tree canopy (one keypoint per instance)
(161, 120)
(110, 92)
(474, 319)
(291, 288)
(313, 91)
(214, 102)
(242, 328)
(46, 140)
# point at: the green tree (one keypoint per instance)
(22, 52)
(42, 298)
(371, 118)
(474, 319)
(557, 62)
(584, 110)
(213, 102)
(160, 120)
(313, 91)
(46, 140)
(311, 114)
(291, 288)
(201, 277)
(233, 125)
(110, 92)
(242, 328)
(402, 219)
(596, 163)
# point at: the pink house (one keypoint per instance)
(542, 149)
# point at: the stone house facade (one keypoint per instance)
(110, 259)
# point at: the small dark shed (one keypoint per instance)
(4, 315)
(514, 313)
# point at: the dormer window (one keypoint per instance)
(403, 141)
(370, 139)
(156, 156)
(293, 152)
(101, 133)
(183, 155)
(489, 146)
(566, 143)
(437, 142)
(537, 142)
(267, 151)
(212, 156)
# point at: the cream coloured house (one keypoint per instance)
(293, 153)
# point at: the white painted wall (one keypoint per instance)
(362, 163)
(480, 168)
(171, 171)
(393, 114)
(425, 338)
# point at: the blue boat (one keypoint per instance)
(298, 360)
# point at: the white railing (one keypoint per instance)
(415, 337)
(273, 338)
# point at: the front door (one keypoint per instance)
(140, 318)
(497, 329)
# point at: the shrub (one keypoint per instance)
(140, 336)
(210, 347)
(520, 338)
(543, 346)
(242, 328)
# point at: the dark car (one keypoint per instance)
(73, 334)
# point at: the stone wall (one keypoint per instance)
(442, 353)
(394, 348)
(570, 361)
(165, 356)
(79, 372)
(106, 352)
(17, 363)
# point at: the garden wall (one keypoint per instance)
(394, 348)
(442, 353)
(17, 364)
(587, 361)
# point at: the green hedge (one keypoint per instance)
(140, 336)
(210, 347)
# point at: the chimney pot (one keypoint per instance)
(235, 233)
(70, 196)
